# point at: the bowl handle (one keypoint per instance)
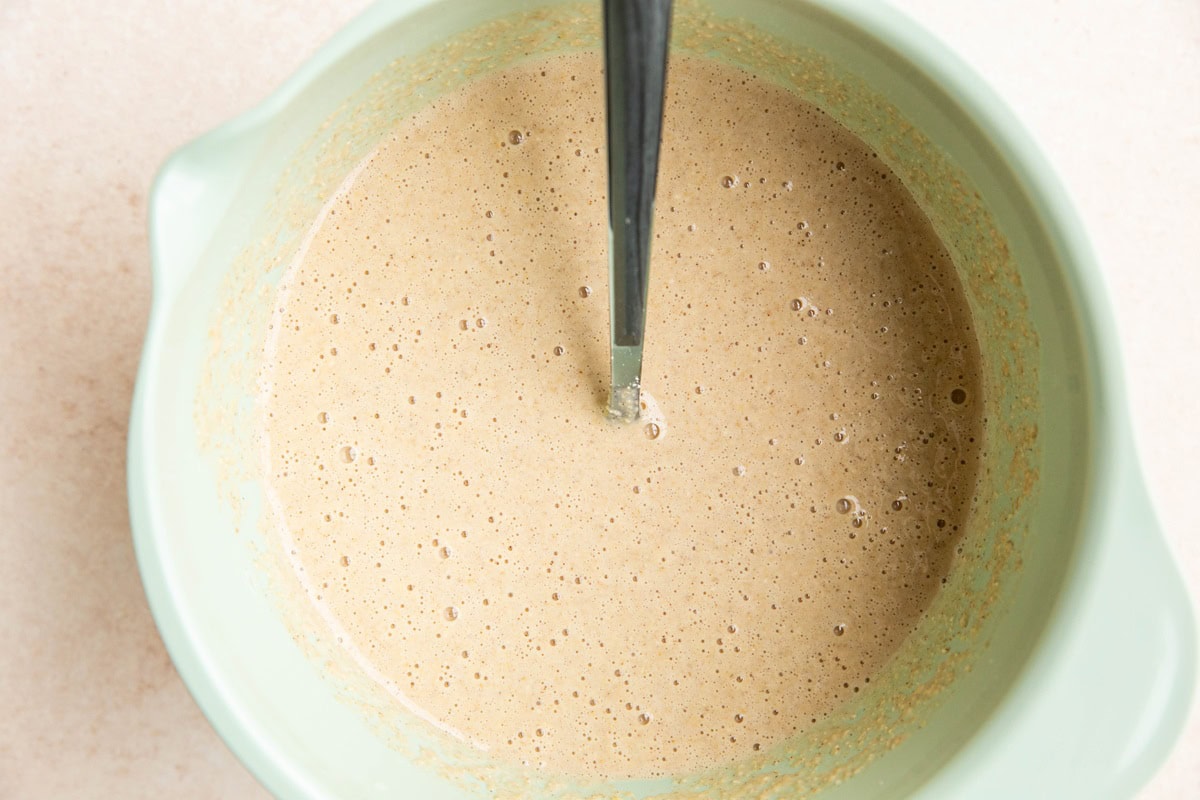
(1106, 696)
(192, 193)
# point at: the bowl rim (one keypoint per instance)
(1110, 432)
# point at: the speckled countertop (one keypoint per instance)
(94, 97)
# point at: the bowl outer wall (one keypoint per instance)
(1107, 689)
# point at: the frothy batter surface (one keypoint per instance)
(608, 600)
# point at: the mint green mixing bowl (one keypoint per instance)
(1073, 687)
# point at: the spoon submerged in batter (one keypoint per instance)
(636, 34)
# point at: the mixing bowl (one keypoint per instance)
(1059, 660)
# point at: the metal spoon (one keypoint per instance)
(636, 33)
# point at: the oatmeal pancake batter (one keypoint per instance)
(591, 598)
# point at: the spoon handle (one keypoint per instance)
(636, 34)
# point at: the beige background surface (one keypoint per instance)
(94, 96)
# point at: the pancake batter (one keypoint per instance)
(587, 597)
